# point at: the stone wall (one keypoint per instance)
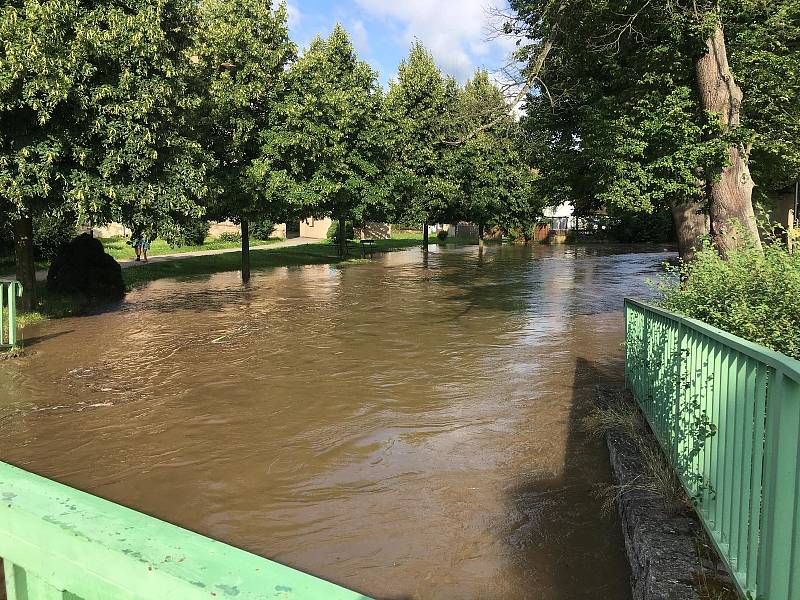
(661, 544)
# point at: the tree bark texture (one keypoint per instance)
(732, 220)
(425, 236)
(691, 223)
(342, 237)
(26, 267)
(245, 251)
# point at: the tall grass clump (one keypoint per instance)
(754, 293)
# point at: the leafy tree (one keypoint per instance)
(93, 105)
(331, 138)
(764, 43)
(495, 182)
(636, 106)
(241, 56)
(420, 108)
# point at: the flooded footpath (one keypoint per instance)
(408, 427)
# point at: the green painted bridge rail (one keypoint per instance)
(58, 542)
(9, 292)
(727, 413)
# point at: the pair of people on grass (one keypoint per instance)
(141, 244)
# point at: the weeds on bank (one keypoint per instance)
(710, 587)
(658, 477)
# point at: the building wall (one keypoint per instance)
(315, 228)
(218, 228)
(373, 231)
(784, 202)
(111, 230)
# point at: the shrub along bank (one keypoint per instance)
(752, 294)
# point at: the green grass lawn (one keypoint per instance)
(119, 248)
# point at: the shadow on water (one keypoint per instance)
(560, 531)
(38, 339)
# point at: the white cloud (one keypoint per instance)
(360, 37)
(294, 15)
(454, 31)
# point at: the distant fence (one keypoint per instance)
(9, 292)
(727, 413)
(58, 542)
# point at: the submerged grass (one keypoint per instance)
(323, 252)
(53, 305)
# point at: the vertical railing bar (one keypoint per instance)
(756, 474)
(736, 455)
(746, 466)
(2, 321)
(13, 288)
(713, 460)
(783, 424)
(794, 553)
(745, 458)
(663, 397)
(721, 432)
(706, 408)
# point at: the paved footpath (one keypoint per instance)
(131, 262)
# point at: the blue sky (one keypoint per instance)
(455, 31)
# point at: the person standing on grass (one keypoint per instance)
(144, 246)
(141, 244)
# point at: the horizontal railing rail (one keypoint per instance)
(58, 542)
(10, 290)
(727, 414)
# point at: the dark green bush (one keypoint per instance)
(52, 234)
(261, 230)
(193, 233)
(442, 234)
(83, 268)
(333, 231)
(753, 295)
(229, 236)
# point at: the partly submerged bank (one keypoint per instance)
(54, 306)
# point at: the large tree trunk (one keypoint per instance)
(691, 223)
(26, 267)
(245, 250)
(732, 219)
(342, 237)
(425, 236)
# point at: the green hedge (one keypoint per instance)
(753, 294)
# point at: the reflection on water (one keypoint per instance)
(405, 427)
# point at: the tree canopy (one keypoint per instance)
(241, 54)
(641, 106)
(94, 101)
(331, 134)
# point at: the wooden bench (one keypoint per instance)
(367, 244)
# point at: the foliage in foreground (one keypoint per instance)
(752, 294)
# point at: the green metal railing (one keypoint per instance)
(9, 292)
(727, 413)
(58, 542)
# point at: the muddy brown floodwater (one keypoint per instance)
(406, 428)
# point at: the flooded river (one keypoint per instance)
(407, 427)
